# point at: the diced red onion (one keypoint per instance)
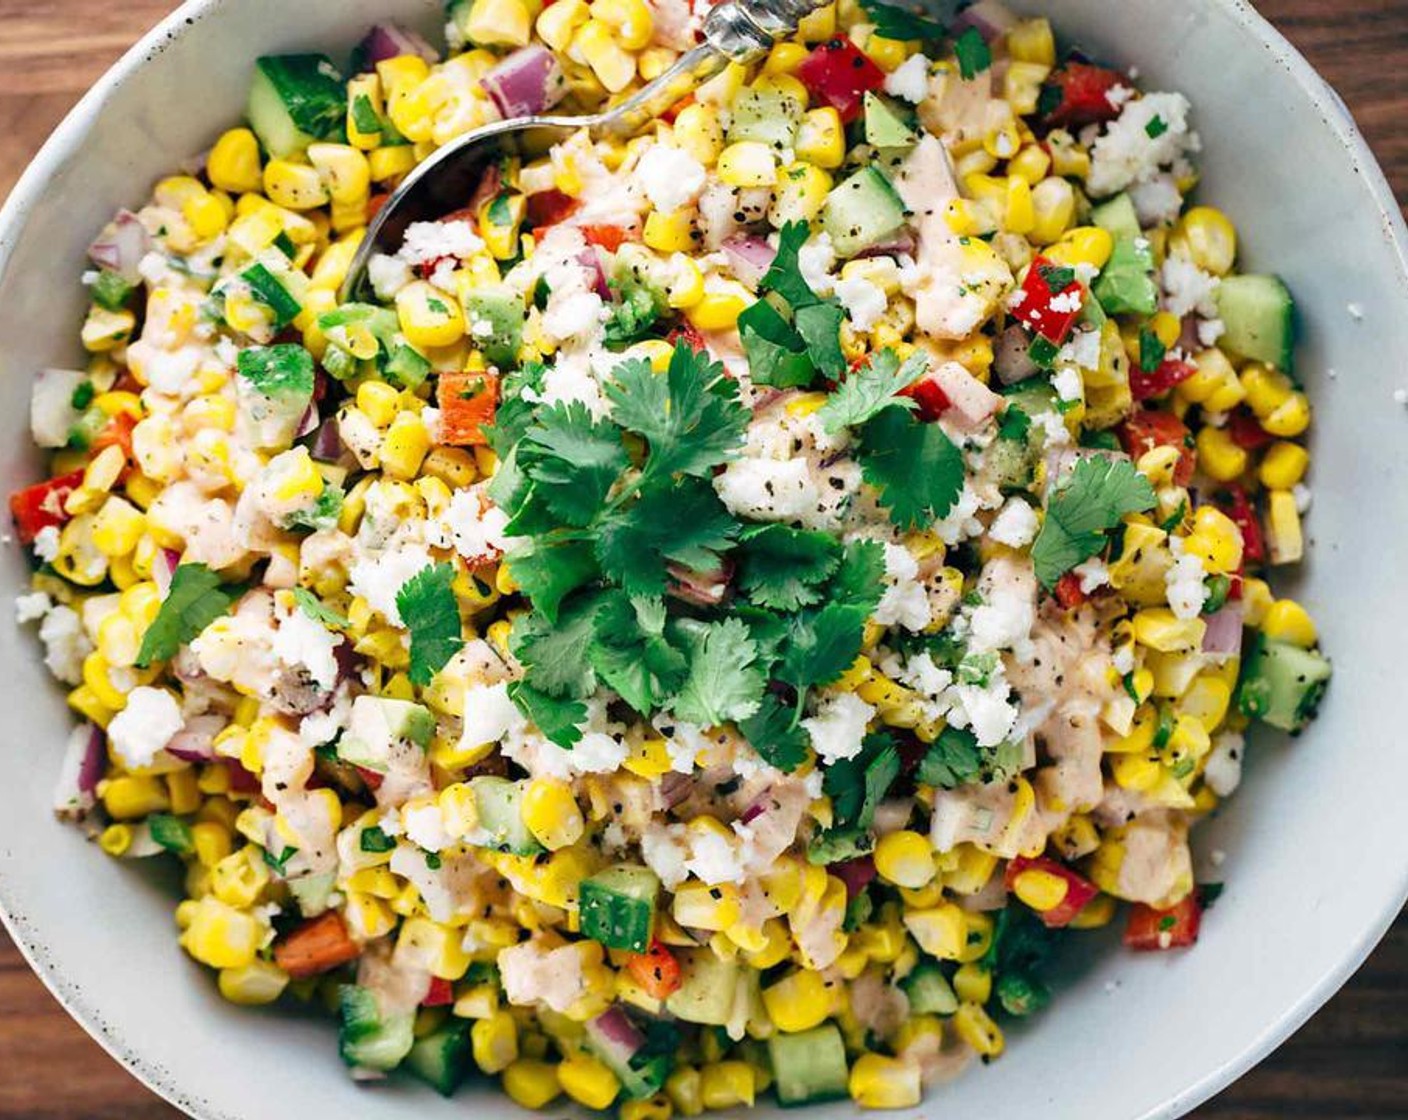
(590, 259)
(1223, 636)
(855, 873)
(327, 445)
(121, 246)
(991, 18)
(167, 561)
(1012, 357)
(82, 768)
(993, 896)
(526, 83)
(749, 257)
(390, 40)
(703, 589)
(675, 788)
(309, 423)
(196, 741)
(614, 1036)
(765, 398)
(972, 403)
(902, 243)
(485, 192)
(241, 780)
(95, 760)
(1188, 340)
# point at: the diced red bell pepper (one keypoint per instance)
(1051, 300)
(929, 395)
(1084, 91)
(669, 115)
(1234, 502)
(441, 994)
(857, 874)
(1069, 593)
(1148, 428)
(1246, 432)
(467, 401)
(1079, 889)
(656, 970)
(372, 777)
(375, 203)
(609, 238)
(690, 335)
(1174, 928)
(41, 506)
(1170, 372)
(319, 945)
(838, 74)
(549, 207)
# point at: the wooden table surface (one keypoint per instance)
(1350, 1060)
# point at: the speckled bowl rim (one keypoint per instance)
(67, 138)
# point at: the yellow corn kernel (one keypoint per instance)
(454, 466)
(115, 839)
(725, 1084)
(1288, 621)
(429, 317)
(1160, 629)
(698, 132)
(1095, 914)
(532, 1084)
(1041, 890)
(1266, 389)
(1031, 163)
(295, 186)
(801, 193)
(494, 1041)
(973, 983)
(551, 813)
(595, 45)
(888, 54)
(630, 19)
(587, 1081)
(1215, 540)
(1054, 203)
(785, 58)
(747, 163)
(720, 307)
(233, 164)
(105, 330)
(657, 1107)
(181, 788)
(379, 402)
(1284, 536)
(1290, 418)
(206, 217)
(391, 163)
(557, 23)
(221, 936)
(344, 171)
(1283, 466)
(1136, 772)
(1206, 237)
(906, 859)
(701, 906)
(1219, 455)
(212, 842)
(670, 231)
(799, 1001)
(117, 526)
(1068, 158)
(821, 139)
(941, 931)
(1019, 213)
(877, 1081)
(977, 1029)
(254, 984)
(972, 870)
(1032, 40)
(499, 23)
(128, 797)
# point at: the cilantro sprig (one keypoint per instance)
(894, 22)
(195, 599)
(426, 603)
(871, 388)
(789, 354)
(1081, 513)
(917, 469)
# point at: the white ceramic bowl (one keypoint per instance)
(1316, 841)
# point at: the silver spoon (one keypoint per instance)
(734, 31)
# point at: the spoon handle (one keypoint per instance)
(735, 31)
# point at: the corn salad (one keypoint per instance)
(735, 599)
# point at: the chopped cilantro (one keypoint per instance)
(559, 719)
(428, 609)
(439, 306)
(1156, 127)
(1015, 424)
(364, 116)
(782, 568)
(894, 22)
(1057, 277)
(775, 732)
(857, 785)
(632, 316)
(282, 371)
(915, 466)
(433, 861)
(195, 599)
(789, 355)
(725, 681)
(973, 53)
(278, 863)
(1080, 514)
(322, 514)
(1151, 350)
(871, 388)
(317, 610)
(953, 759)
(375, 840)
(110, 290)
(631, 652)
(82, 397)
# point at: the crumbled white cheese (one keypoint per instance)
(46, 543)
(838, 727)
(474, 525)
(910, 80)
(768, 489)
(1157, 202)
(378, 579)
(715, 858)
(572, 315)
(488, 715)
(664, 850)
(984, 711)
(815, 261)
(429, 241)
(1126, 153)
(34, 606)
(1083, 349)
(1015, 525)
(960, 524)
(921, 673)
(1185, 588)
(1093, 574)
(424, 826)
(1068, 384)
(1301, 493)
(303, 642)
(863, 300)
(144, 726)
(905, 602)
(1223, 772)
(1067, 303)
(65, 644)
(670, 177)
(1188, 289)
(1210, 331)
(1004, 620)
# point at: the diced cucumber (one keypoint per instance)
(885, 126)
(1118, 217)
(274, 292)
(500, 805)
(861, 212)
(929, 991)
(768, 116)
(1282, 684)
(444, 1058)
(1126, 283)
(836, 845)
(406, 366)
(708, 988)
(1259, 315)
(810, 1066)
(378, 725)
(1010, 463)
(312, 892)
(172, 833)
(366, 1038)
(618, 906)
(295, 100)
(495, 319)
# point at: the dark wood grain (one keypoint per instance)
(1351, 1060)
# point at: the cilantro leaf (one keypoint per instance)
(859, 581)
(514, 415)
(784, 275)
(317, 610)
(631, 653)
(1100, 492)
(777, 354)
(285, 370)
(573, 459)
(953, 759)
(322, 514)
(547, 569)
(195, 599)
(725, 681)
(871, 388)
(893, 22)
(783, 568)
(857, 785)
(776, 734)
(1151, 350)
(428, 609)
(691, 418)
(632, 316)
(1156, 127)
(915, 466)
(1015, 424)
(973, 53)
(554, 655)
(819, 325)
(375, 839)
(819, 644)
(684, 524)
(558, 719)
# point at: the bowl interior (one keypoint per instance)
(1316, 853)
